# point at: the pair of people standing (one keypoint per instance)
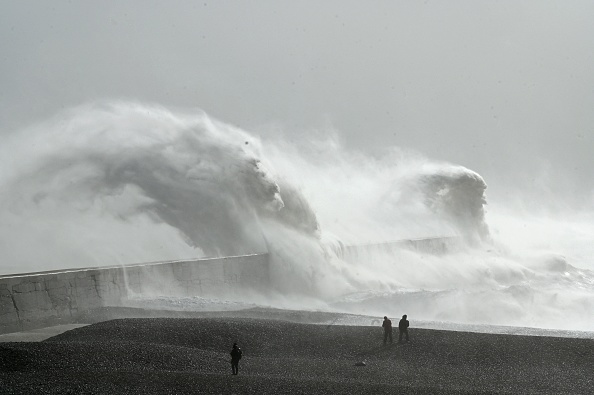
(402, 329)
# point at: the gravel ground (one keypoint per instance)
(191, 356)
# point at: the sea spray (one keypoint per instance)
(180, 186)
(119, 183)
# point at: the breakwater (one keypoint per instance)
(431, 245)
(34, 300)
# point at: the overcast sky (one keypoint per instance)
(505, 88)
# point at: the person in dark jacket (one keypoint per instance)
(403, 329)
(387, 325)
(235, 357)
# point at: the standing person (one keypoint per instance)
(235, 357)
(387, 325)
(403, 329)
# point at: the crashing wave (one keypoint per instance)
(113, 183)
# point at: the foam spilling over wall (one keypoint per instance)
(120, 183)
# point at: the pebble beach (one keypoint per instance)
(191, 356)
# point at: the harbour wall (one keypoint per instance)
(34, 300)
(431, 245)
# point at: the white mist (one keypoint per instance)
(119, 183)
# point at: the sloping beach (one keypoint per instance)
(191, 356)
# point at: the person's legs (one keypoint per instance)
(234, 367)
(399, 336)
(385, 336)
(390, 333)
(406, 333)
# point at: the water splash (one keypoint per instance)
(125, 182)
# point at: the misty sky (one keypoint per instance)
(505, 88)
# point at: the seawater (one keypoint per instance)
(120, 182)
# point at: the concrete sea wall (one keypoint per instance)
(34, 300)
(432, 245)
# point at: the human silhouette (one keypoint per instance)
(387, 325)
(403, 329)
(235, 357)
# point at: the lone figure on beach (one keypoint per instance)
(387, 325)
(235, 357)
(403, 329)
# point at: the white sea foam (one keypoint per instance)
(118, 183)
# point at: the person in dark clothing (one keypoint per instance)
(403, 329)
(387, 325)
(235, 357)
